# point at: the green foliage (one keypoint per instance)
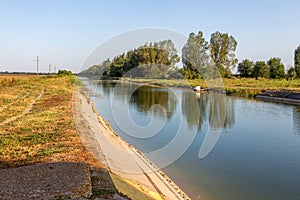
(76, 81)
(149, 61)
(261, 69)
(297, 61)
(276, 68)
(291, 73)
(222, 52)
(200, 59)
(245, 68)
(247, 87)
(197, 52)
(194, 56)
(189, 73)
(64, 72)
(96, 70)
(153, 60)
(72, 79)
(159, 59)
(273, 69)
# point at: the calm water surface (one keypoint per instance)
(257, 155)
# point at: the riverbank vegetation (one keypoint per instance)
(153, 60)
(158, 63)
(246, 87)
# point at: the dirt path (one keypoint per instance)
(15, 100)
(25, 111)
(124, 160)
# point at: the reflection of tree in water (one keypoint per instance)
(296, 120)
(196, 110)
(230, 116)
(107, 87)
(120, 90)
(203, 102)
(221, 112)
(219, 108)
(146, 96)
(190, 108)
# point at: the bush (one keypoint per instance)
(64, 72)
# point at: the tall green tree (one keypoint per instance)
(222, 52)
(194, 55)
(261, 69)
(291, 74)
(245, 68)
(276, 68)
(297, 61)
(168, 53)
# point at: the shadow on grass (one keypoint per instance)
(6, 164)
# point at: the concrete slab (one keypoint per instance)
(46, 181)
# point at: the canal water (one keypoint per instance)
(213, 146)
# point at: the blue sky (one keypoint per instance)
(65, 32)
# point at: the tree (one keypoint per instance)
(291, 74)
(169, 52)
(222, 52)
(276, 68)
(245, 68)
(194, 55)
(297, 61)
(261, 69)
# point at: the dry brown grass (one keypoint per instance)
(47, 133)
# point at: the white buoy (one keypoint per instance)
(197, 88)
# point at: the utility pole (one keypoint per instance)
(37, 65)
(54, 69)
(49, 68)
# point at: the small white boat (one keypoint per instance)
(197, 88)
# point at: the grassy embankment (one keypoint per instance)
(246, 87)
(46, 132)
(43, 130)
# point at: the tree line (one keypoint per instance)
(154, 60)
(199, 58)
(273, 68)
